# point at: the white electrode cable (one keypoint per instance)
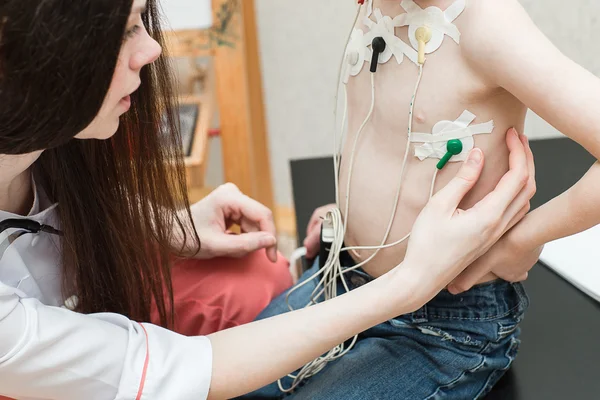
(399, 190)
(339, 227)
(336, 148)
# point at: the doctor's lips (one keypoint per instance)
(126, 101)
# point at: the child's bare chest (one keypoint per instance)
(439, 101)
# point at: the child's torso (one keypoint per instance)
(449, 87)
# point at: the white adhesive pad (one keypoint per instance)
(434, 144)
(384, 27)
(440, 22)
(356, 55)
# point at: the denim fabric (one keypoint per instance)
(455, 347)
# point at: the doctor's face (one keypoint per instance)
(137, 51)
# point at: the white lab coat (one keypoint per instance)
(50, 352)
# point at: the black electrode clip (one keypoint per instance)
(325, 242)
(378, 47)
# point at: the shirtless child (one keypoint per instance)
(483, 64)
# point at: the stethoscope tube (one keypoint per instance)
(28, 225)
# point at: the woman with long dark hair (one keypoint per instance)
(94, 214)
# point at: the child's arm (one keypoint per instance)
(506, 47)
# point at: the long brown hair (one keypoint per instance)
(122, 201)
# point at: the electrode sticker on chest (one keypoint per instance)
(435, 143)
(441, 23)
(356, 54)
(384, 28)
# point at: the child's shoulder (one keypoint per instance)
(490, 21)
(492, 13)
(493, 32)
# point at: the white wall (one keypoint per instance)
(301, 44)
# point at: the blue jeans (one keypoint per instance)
(455, 347)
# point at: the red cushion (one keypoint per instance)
(212, 295)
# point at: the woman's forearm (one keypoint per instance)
(248, 357)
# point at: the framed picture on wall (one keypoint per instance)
(189, 114)
(195, 116)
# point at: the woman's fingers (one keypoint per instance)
(249, 226)
(511, 184)
(256, 212)
(245, 243)
(529, 154)
(522, 203)
(251, 213)
(452, 194)
(468, 278)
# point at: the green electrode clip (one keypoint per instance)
(454, 147)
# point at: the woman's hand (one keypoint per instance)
(512, 256)
(225, 206)
(313, 231)
(446, 239)
(507, 259)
